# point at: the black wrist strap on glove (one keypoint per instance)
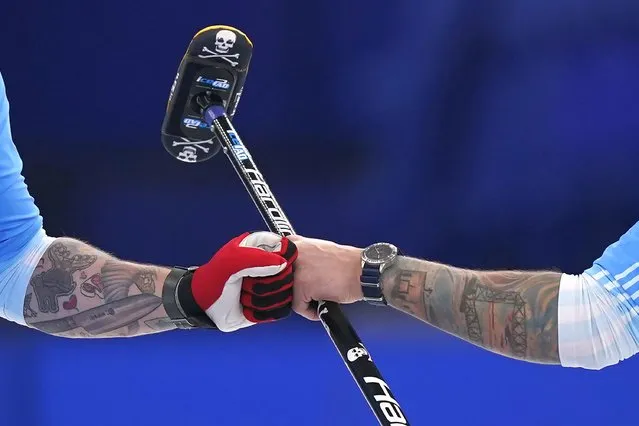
(179, 303)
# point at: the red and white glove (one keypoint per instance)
(248, 281)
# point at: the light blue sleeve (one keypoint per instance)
(20, 219)
(618, 267)
(599, 309)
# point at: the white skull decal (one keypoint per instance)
(356, 353)
(224, 41)
(188, 154)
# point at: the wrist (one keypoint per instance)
(354, 256)
(388, 278)
(179, 302)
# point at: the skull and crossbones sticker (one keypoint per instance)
(189, 152)
(356, 353)
(224, 42)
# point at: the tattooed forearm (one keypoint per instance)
(26, 310)
(83, 292)
(512, 313)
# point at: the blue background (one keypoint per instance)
(497, 134)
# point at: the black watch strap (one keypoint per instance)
(371, 288)
(179, 304)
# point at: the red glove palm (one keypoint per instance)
(248, 281)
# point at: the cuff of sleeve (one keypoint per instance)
(595, 327)
(15, 275)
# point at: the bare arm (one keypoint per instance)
(79, 291)
(512, 313)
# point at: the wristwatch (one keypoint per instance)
(375, 259)
(178, 301)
